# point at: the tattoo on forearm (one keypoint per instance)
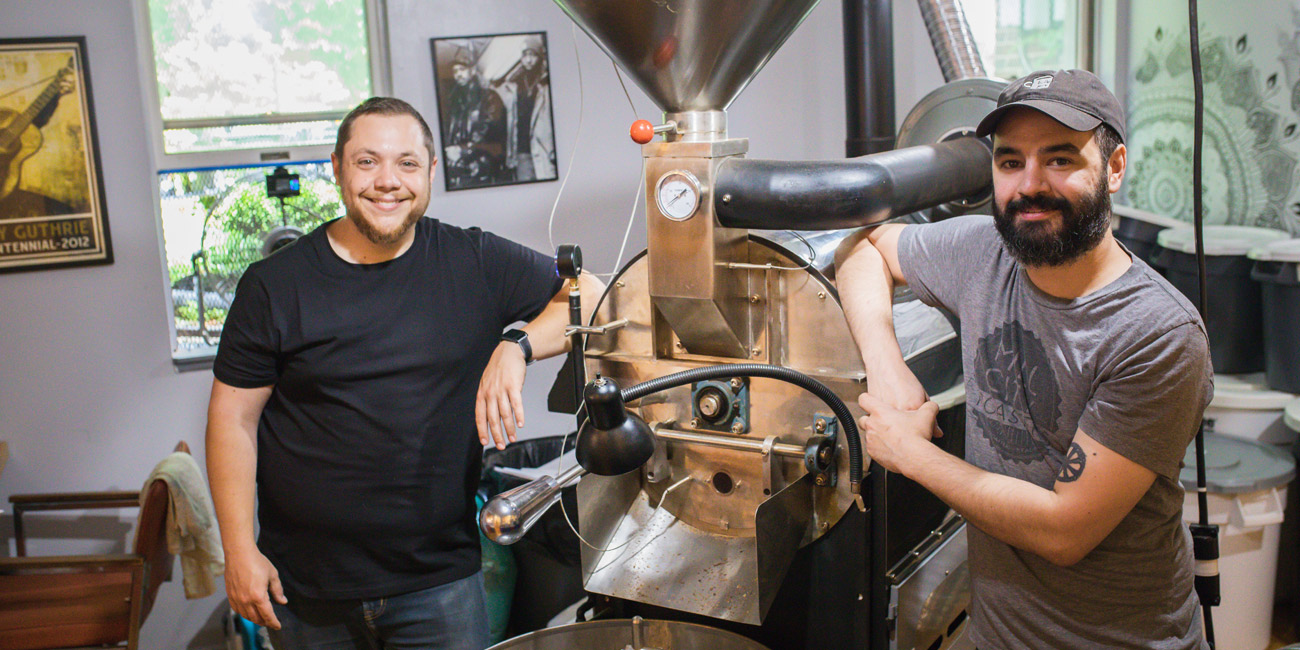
(1072, 468)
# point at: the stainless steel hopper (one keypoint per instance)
(690, 55)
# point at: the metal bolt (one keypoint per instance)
(754, 299)
(821, 295)
(755, 352)
(695, 422)
(620, 284)
(737, 383)
(677, 344)
(820, 426)
(726, 199)
(825, 525)
(738, 426)
(821, 480)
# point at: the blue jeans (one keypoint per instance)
(447, 617)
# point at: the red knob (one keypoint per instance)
(642, 131)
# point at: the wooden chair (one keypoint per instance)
(85, 600)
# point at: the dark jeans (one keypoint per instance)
(447, 617)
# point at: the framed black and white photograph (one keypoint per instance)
(51, 193)
(494, 110)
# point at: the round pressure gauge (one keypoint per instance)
(678, 195)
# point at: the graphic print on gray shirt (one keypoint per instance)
(1128, 365)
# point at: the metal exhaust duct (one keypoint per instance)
(954, 44)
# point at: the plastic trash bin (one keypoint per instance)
(548, 560)
(1138, 230)
(1247, 485)
(1277, 269)
(1235, 309)
(1245, 407)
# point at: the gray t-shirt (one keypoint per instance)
(1129, 365)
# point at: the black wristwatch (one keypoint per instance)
(520, 337)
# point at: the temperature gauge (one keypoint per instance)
(678, 195)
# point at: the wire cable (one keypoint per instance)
(569, 520)
(1204, 536)
(636, 199)
(577, 137)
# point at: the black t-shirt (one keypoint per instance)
(367, 452)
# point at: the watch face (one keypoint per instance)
(678, 195)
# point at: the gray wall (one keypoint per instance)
(89, 399)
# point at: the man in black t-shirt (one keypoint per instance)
(354, 368)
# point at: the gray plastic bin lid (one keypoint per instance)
(1286, 250)
(1291, 414)
(1220, 240)
(1234, 466)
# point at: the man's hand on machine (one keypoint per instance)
(250, 579)
(891, 434)
(499, 407)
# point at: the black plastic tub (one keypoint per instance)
(1139, 229)
(1277, 269)
(1235, 314)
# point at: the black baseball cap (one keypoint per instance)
(1075, 98)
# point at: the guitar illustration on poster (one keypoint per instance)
(20, 135)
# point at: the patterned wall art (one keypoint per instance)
(1250, 57)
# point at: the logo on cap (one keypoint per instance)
(1041, 83)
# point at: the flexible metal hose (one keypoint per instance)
(954, 44)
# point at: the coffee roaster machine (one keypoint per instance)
(742, 508)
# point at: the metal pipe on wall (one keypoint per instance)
(869, 76)
(953, 41)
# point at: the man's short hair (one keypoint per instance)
(386, 106)
(1108, 141)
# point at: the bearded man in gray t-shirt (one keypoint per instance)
(1086, 376)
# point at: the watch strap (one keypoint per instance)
(521, 338)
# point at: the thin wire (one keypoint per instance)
(636, 199)
(569, 520)
(625, 92)
(550, 223)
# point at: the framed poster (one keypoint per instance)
(52, 210)
(494, 109)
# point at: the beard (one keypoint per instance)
(379, 237)
(1083, 226)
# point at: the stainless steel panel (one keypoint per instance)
(689, 55)
(932, 596)
(678, 556)
(705, 305)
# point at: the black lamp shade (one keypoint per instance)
(612, 441)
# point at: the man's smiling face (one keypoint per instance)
(1051, 188)
(385, 176)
